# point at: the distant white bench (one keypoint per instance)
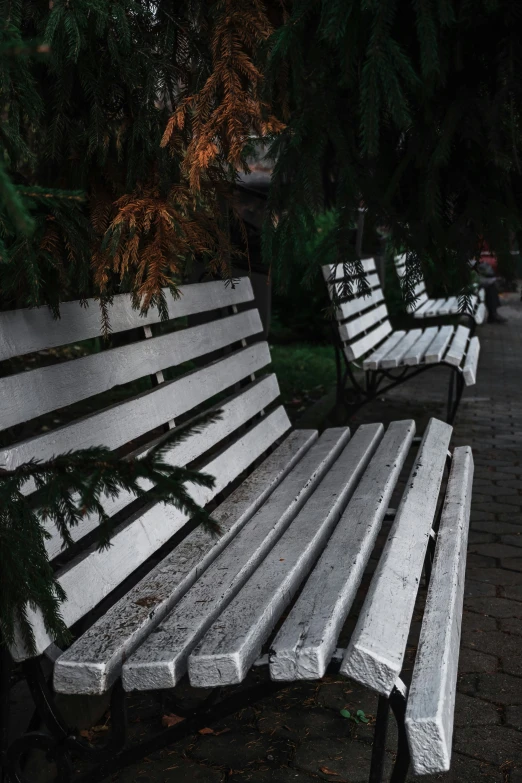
(298, 512)
(424, 307)
(367, 340)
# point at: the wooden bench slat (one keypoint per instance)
(306, 642)
(451, 306)
(376, 650)
(394, 357)
(457, 347)
(372, 281)
(357, 348)
(29, 394)
(121, 423)
(480, 314)
(424, 310)
(415, 354)
(336, 271)
(353, 328)
(470, 365)
(94, 661)
(235, 412)
(372, 362)
(139, 538)
(162, 659)
(233, 643)
(436, 350)
(431, 702)
(356, 305)
(34, 329)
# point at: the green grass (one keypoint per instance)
(305, 372)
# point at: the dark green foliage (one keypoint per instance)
(412, 108)
(68, 488)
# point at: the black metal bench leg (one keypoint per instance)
(402, 761)
(379, 741)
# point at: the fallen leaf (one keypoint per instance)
(206, 731)
(86, 734)
(327, 771)
(223, 731)
(171, 720)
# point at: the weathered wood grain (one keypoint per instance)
(234, 641)
(34, 329)
(236, 411)
(162, 658)
(93, 663)
(471, 362)
(30, 394)
(431, 702)
(307, 640)
(376, 651)
(143, 534)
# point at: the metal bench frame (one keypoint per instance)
(351, 393)
(33, 329)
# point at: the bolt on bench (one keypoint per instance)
(299, 514)
(424, 307)
(364, 334)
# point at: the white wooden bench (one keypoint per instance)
(425, 307)
(365, 339)
(298, 512)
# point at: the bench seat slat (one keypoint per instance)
(121, 423)
(233, 643)
(436, 350)
(394, 357)
(235, 412)
(470, 365)
(372, 362)
(306, 642)
(34, 329)
(415, 354)
(457, 348)
(139, 538)
(424, 310)
(431, 702)
(33, 393)
(376, 650)
(162, 659)
(94, 661)
(480, 314)
(358, 348)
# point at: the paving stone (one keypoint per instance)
(475, 661)
(496, 576)
(494, 607)
(495, 550)
(493, 576)
(514, 717)
(512, 563)
(305, 723)
(480, 561)
(463, 770)
(498, 688)
(266, 775)
(505, 646)
(495, 527)
(474, 589)
(477, 623)
(348, 694)
(237, 751)
(513, 540)
(495, 744)
(165, 767)
(470, 711)
(513, 591)
(512, 626)
(349, 760)
(495, 507)
(513, 519)
(479, 538)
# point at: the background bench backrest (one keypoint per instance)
(420, 288)
(362, 319)
(63, 387)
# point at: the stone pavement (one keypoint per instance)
(299, 735)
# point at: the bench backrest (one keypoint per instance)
(419, 290)
(362, 318)
(156, 375)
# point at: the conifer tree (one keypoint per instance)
(409, 109)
